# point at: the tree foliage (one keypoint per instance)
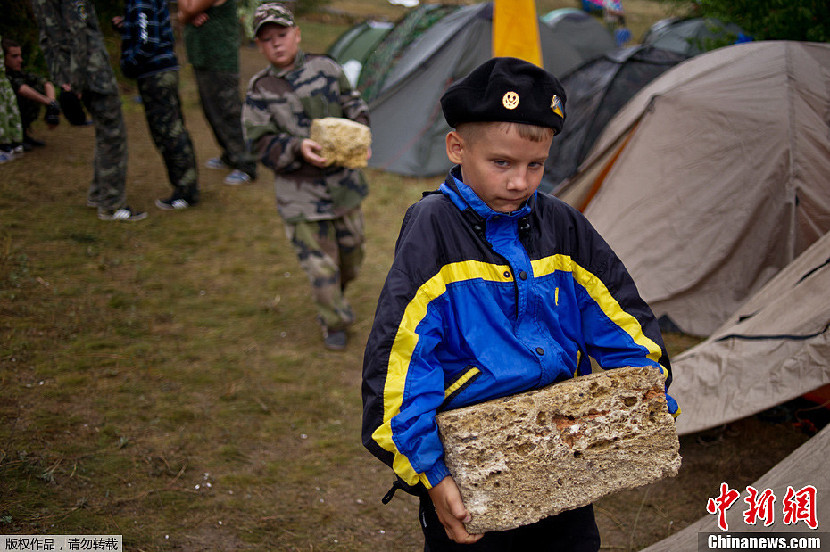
(802, 20)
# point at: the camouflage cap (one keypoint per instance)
(272, 12)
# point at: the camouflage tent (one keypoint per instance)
(408, 127)
(356, 45)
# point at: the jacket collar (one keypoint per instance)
(299, 61)
(463, 197)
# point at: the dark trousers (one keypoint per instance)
(162, 109)
(222, 106)
(571, 531)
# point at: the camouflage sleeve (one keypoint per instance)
(55, 41)
(273, 145)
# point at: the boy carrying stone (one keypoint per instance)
(319, 203)
(494, 290)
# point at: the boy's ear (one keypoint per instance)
(455, 146)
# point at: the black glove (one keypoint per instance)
(53, 111)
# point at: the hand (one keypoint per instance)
(52, 116)
(310, 150)
(451, 511)
(117, 22)
(200, 19)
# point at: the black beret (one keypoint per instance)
(506, 89)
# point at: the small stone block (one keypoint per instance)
(521, 458)
(344, 142)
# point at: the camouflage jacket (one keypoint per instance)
(73, 45)
(279, 107)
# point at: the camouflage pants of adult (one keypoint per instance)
(10, 128)
(162, 109)
(222, 106)
(330, 252)
(109, 178)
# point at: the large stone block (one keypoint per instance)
(345, 143)
(535, 454)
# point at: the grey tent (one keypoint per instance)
(596, 90)
(806, 466)
(692, 36)
(408, 128)
(588, 36)
(774, 348)
(714, 177)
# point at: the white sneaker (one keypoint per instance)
(215, 163)
(125, 213)
(6, 156)
(236, 178)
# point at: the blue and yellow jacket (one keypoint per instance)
(480, 305)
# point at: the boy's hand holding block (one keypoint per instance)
(345, 143)
(519, 459)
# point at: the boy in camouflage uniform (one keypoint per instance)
(320, 204)
(79, 63)
(147, 55)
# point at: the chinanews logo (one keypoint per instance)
(797, 509)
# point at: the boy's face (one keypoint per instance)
(13, 59)
(279, 44)
(501, 167)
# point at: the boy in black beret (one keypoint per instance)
(494, 290)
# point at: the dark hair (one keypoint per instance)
(9, 43)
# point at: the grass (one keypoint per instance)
(165, 380)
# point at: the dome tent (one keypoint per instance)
(692, 36)
(596, 91)
(408, 128)
(714, 177)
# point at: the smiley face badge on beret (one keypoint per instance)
(506, 89)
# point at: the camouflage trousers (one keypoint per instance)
(222, 106)
(10, 129)
(162, 109)
(109, 178)
(330, 252)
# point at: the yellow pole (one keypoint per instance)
(516, 30)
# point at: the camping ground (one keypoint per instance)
(164, 380)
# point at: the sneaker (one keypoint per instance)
(237, 177)
(125, 213)
(6, 156)
(216, 163)
(176, 202)
(172, 204)
(334, 340)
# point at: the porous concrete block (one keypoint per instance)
(345, 143)
(519, 459)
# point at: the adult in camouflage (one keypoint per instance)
(79, 63)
